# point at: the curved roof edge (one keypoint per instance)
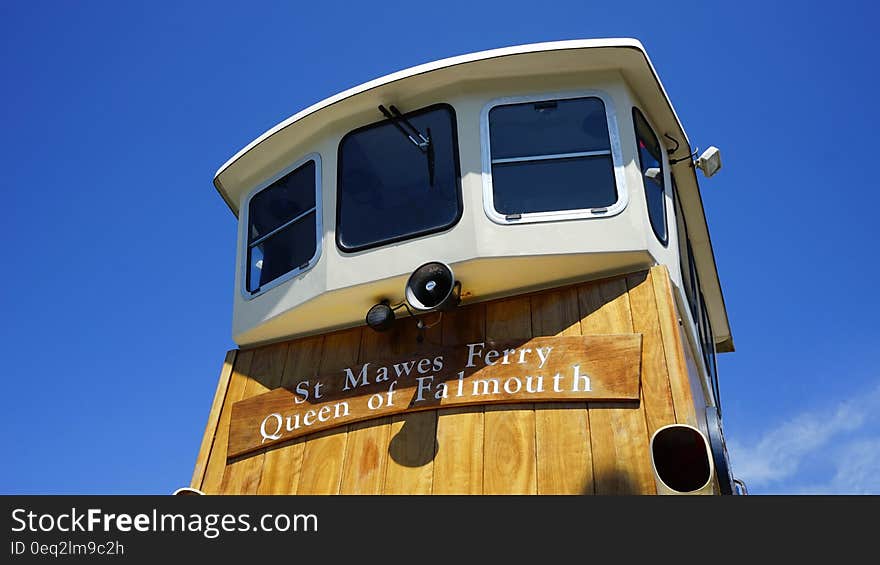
(445, 63)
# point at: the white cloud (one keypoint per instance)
(857, 471)
(839, 438)
(859, 468)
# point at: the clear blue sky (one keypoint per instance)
(117, 285)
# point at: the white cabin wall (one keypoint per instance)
(337, 291)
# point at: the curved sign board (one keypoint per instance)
(545, 369)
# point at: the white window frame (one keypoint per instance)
(244, 222)
(532, 217)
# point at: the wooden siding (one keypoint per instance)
(552, 448)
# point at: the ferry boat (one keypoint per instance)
(488, 274)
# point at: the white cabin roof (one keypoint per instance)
(627, 56)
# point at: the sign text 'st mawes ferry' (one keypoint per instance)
(489, 274)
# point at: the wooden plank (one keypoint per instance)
(564, 454)
(282, 466)
(213, 419)
(411, 454)
(413, 443)
(242, 476)
(657, 397)
(604, 307)
(509, 464)
(458, 464)
(556, 313)
(366, 457)
(618, 432)
(217, 461)
(562, 431)
(673, 346)
(366, 450)
(324, 452)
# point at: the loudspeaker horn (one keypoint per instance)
(432, 287)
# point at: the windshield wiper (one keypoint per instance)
(423, 142)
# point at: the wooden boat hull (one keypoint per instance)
(571, 447)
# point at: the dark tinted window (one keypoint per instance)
(545, 128)
(555, 179)
(282, 227)
(389, 189)
(286, 198)
(708, 343)
(697, 303)
(551, 155)
(651, 161)
(694, 288)
(684, 249)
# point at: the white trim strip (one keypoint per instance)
(551, 156)
(263, 238)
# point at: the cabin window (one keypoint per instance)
(696, 301)
(685, 253)
(693, 289)
(550, 158)
(708, 343)
(392, 185)
(651, 162)
(283, 227)
(700, 314)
